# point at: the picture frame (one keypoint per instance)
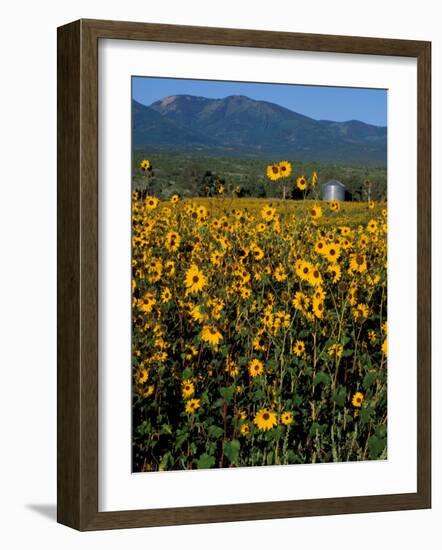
(78, 277)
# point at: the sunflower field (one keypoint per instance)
(259, 332)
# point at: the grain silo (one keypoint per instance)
(333, 190)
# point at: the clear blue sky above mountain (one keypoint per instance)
(318, 102)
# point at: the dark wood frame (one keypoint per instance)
(78, 268)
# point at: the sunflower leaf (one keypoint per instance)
(231, 450)
(205, 461)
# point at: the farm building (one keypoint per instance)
(333, 190)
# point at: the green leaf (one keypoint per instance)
(369, 380)
(181, 438)
(215, 431)
(321, 378)
(275, 434)
(381, 431)
(314, 428)
(205, 461)
(227, 393)
(187, 373)
(166, 429)
(376, 445)
(340, 396)
(231, 450)
(165, 461)
(365, 414)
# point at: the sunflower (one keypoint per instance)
(151, 203)
(268, 213)
(314, 179)
(335, 272)
(357, 399)
(166, 295)
(334, 206)
(174, 199)
(372, 226)
(332, 252)
(259, 342)
(299, 348)
(265, 419)
(315, 212)
(245, 292)
(143, 376)
(256, 368)
(169, 268)
(280, 274)
(195, 280)
(285, 168)
(370, 205)
(145, 165)
(211, 335)
(148, 391)
(187, 389)
(358, 263)
(301, 301)
(232, 369)
(304, 270)
(315, 277)
(360, 312)
(192, 405)
(147, 302)
(335, 350)
(197, 315)
(172, 241)
(273, 172)
(257, 252)
(286, 418)
(245, 429)
(320, 246)
(384, 347)
(301, 183)
(318, 307)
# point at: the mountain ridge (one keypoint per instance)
(240, 126)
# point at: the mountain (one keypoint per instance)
(239, 126)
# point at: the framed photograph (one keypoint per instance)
(243, 274)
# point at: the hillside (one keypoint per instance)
(238, 126)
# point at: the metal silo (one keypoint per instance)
(333, 190)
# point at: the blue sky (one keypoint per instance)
(319, 102)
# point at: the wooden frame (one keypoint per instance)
(78, 274)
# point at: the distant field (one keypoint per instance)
(187, 175)
(350, 213)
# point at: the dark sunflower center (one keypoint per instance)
(359, 260)
(265, 416)
(275, 169)
(195, 279)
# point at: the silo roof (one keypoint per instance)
(335, 183)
